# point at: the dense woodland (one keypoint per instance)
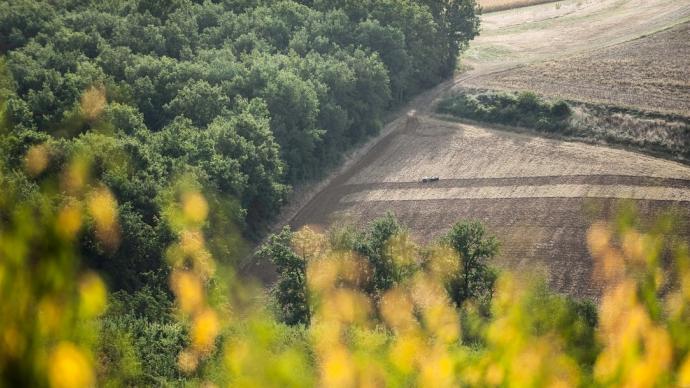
(236, 99)
(249, 97)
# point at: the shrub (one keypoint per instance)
(561, 110)
(528, 102)
(525, 109)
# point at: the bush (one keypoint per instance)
(155, 345)
(525, 109)
(561, 110)
(528, 102)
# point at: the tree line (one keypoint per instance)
(389, 258)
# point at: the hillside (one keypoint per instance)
(536, 194)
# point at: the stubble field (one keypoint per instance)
(649, 73)
(537, 195)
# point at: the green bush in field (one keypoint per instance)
(525, 109)
(561, 110)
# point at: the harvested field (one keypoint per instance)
(649, 73)
(502, 5)
(532, 192)
(551, 31)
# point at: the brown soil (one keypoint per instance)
(550, 31)
(533, 193)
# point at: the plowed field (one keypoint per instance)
(539, 196)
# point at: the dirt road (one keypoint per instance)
(537, 195)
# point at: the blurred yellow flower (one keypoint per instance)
(346, 306)
(436, 371)
(494, 374)
(397, 310)
(205, 329)
(337, 369)
(236, 355)
(442, 322)
(307, 243)
(634, 246)
(93, 102)
(598, 237)
(187, 361)
(92, 295)
(103, 207)
(36, 159)
(684, 373)
(195, 207)
(405, 352)
(49, 315)
(69, 220)
(69, 367)
(75, 175)
(191, 241)
(188, 290)
(321, 274)
(12, 343)
(403, 249)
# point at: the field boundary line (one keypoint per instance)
(647, 193)
(544, 180)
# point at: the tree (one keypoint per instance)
(458, 22)
(474, 247)
(290, 291)
(374, 245)
(199, 101)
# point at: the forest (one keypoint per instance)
(123, 106)
(247, 98)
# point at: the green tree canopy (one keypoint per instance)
(475, 279)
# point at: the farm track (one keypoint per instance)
(509, 181)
